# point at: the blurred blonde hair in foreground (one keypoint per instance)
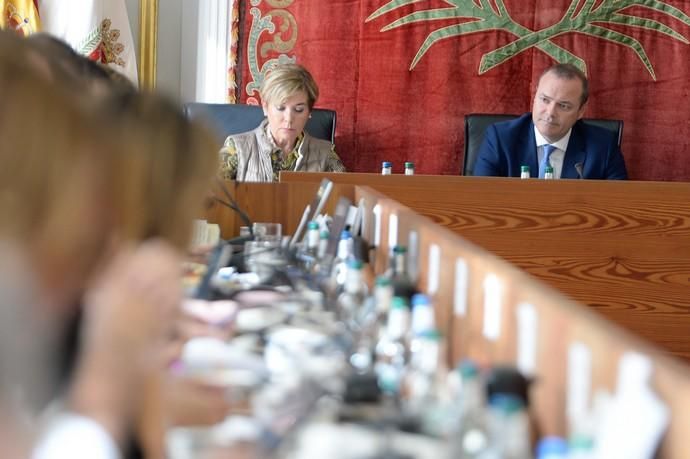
(165, 169)
(79, 171)
(54, 152)
(76, 166)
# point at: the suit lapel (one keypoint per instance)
(574, 154)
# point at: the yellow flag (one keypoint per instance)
(20, 16)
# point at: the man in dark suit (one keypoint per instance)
(553, 135)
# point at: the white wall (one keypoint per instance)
(133, 13)
(169, 42)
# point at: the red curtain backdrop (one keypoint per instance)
(390, 110)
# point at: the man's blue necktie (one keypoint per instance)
(547, 149)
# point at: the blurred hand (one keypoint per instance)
(200, 253)
(194, 403)
(206, 318)
(129, 314)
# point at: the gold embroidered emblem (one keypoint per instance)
(103, 45)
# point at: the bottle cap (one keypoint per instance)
(399, 249)
(409, 165)
(468, 369)
(552, 447)
(353, 263)
(345, 235)
(548, 169)
(387, 164)
(313, 225)
(508, 380)
(398, 302)
(420, 299)
(382, 281)
(506, 403)
(524, 168)
(581, 442)
(431, 335)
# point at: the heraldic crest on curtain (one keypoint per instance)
(582, 16)
(272, 31)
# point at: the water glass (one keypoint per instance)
(269, 232)
(259, 257)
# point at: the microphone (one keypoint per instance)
(578, 168)
(231, 203)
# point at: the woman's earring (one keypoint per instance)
(310, 116)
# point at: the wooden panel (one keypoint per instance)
(269, 202)
(622, 248)
(560, 323)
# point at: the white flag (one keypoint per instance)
(98, 29)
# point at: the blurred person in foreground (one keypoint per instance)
(163, 176)
(71, 226)
(55, 227)
(280, 143)
(162, 173)
(553, 135)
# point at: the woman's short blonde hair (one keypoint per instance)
(286, 80)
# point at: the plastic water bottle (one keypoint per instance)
(355, 291)
(344, 253)
(392, 350)
(524, 172)
(409, 168)
(323, 244)
(386, 168)
(422, 314)
(548, 173)
(398, 273)
(469, 432)
(313, 239)
(508, 427)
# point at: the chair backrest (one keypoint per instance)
(477, 123)
(228, 119)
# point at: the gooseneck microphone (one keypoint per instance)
(578, 168)
(231, 203)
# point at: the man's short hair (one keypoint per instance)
(570, 72)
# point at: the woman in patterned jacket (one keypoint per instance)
(280, 143)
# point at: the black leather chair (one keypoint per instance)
(227, 119)
(477, 123)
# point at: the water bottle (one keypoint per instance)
(313, 235)
(398, 273)
(386, 168)
(352, 300)
(344, 253)
(392, 349)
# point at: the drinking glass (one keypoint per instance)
(268, 232)
(259, 257)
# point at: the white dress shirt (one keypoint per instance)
(556, 158)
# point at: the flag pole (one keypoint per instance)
(148, 43)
